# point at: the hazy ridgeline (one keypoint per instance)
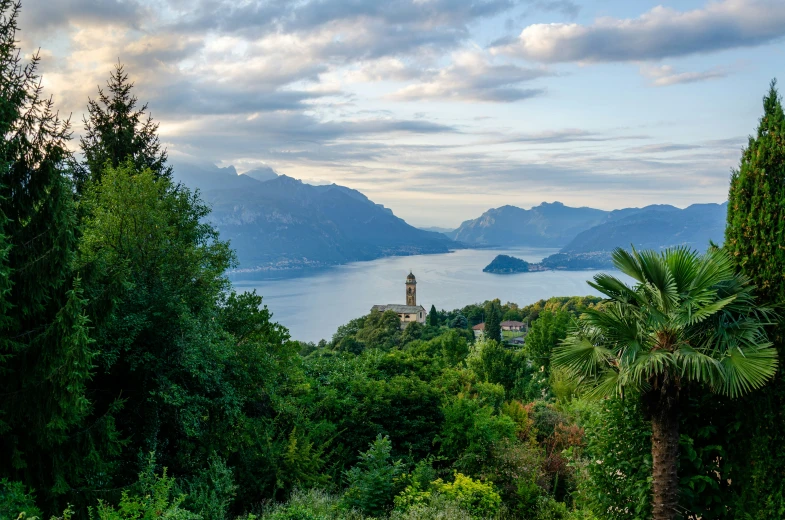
(137, 384)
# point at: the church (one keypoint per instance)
(409, 312)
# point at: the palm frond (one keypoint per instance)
(705, 311)
(580, 357)
(651, 363)
(607, 385)
(747, 369)
(628, 264)
(681, 262)
(699, 367)
(614, 289)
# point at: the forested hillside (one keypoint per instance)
(137, 384)
(280, 225)
(546, 225)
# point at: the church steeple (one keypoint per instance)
(411, 290)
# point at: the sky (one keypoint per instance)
(438, 109)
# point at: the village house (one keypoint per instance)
(513, 326)
(479, 330)
(410, 312)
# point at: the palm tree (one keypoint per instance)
(688, 319)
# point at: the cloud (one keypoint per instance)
(43, 16)
(471, 77)
(567, 135)
(665, 75)
(354, 29)
(662, 148)
(660, 33)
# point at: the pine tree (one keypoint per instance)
(116, 131)
(45, 353)
(755, 238)
(433, 317)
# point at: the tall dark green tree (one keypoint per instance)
(46, 357)
(547, 331)
(118, 130)
(493, 321)
(433, 317)
(755, 239)
(162, 354)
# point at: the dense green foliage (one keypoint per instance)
(46, 354)
(688, 319)
(504, 264)
(755, 238)
(136, 384)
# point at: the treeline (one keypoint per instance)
(136, 384)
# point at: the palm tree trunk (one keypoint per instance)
(665, 461)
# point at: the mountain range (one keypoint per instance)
(546, 225)
(278, 224)
(586, 236)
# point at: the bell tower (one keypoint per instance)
(411, 290)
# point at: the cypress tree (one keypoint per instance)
(45, 353)
(116, 131)
(755, 234)
(755, 237)
(493, 320)
(433, 317)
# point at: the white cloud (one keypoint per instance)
(665, 75)
(472, 77)
(660, 33)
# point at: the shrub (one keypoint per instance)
(372, 480)
(313, 504)
(438, 507)
(155, 499)
(17, 501)
(212, 491)
(480, 499)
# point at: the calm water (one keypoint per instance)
(313, 307)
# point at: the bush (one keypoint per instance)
(480, 499)
(155, 499)
(17, 501)
(313, 504)
(372, 480)
(438, 507)
(212, 491)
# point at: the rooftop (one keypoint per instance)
(512, 324)
(400, 309)
(479, 326)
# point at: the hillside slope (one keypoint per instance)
(283, 224)
(546, 225)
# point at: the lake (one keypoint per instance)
(313, 307)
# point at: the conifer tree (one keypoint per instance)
(433, 317)
(116, 130)
(493, 321)
(755, 238)
(45, 353)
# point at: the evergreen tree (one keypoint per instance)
(755, 239)
(755, 235)
(493, 320)
(460, 322)
(433, 317)
(46, 357)
(116, 131)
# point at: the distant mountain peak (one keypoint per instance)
(262, 174)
